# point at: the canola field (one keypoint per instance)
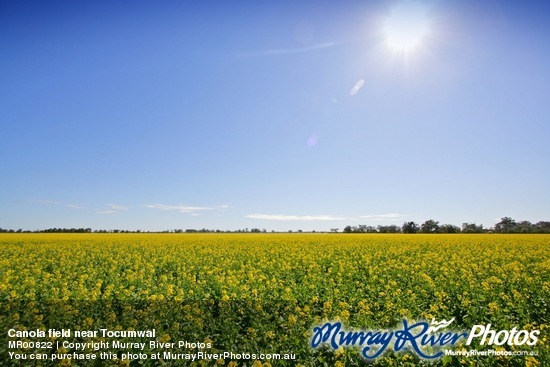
(264, 293)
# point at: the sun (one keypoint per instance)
(406, 27)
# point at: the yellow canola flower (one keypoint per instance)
(271, 289)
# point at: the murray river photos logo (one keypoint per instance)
(427, 340)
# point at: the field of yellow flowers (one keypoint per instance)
(263, 293)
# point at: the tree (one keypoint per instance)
(523, 227)
(389, 229)
(472, 228)
(542, 227)
(449, 228)
(362, 228)
(430, 226)
(506, 225)
(410, 227)
(370, 229)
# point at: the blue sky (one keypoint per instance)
(280, 115)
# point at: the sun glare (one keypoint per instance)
(407, 26)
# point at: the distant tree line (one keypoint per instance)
(49, 230)
(506, 225)
(89, 230)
